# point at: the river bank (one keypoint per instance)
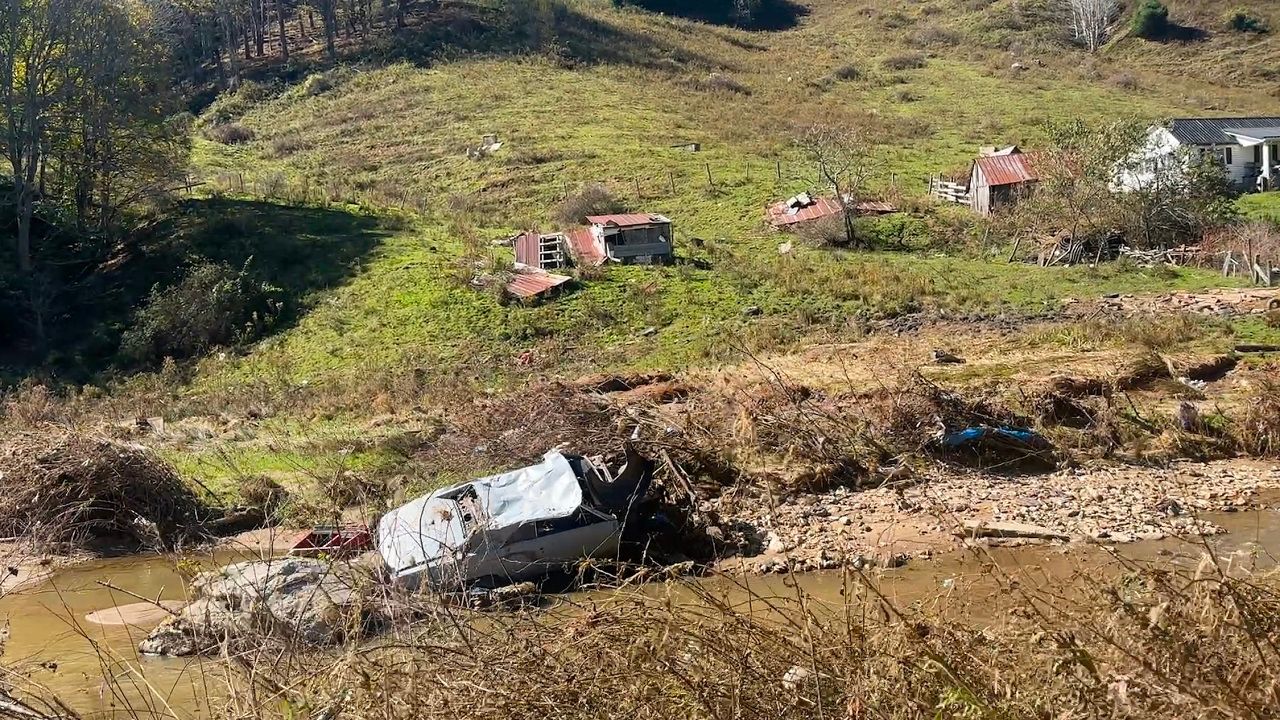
(96, 667)
(1106, 503)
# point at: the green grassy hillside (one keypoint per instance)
(395, 136)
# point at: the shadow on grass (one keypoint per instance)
(299, 250)
(772, 15)
(441, 31)
(556, 29)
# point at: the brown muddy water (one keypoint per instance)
(96, 669)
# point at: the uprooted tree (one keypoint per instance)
(845, 161)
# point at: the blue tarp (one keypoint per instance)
(973, 435)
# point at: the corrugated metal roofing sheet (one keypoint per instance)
(526, 247)
(1209, 131)
(822, 207)
(583, 247)
(626, 219)
(527, 284)
(1259, 133)
(1000, 170)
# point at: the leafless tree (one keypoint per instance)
(1091, 21)
(845, 161)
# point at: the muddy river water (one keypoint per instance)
(52, 639)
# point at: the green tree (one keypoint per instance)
(83, 100)
(1151, 20)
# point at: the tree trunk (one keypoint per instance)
(259, 22)
(331, 29)
(284, 41)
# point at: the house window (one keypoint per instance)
(1257, 154)
(1226, 156)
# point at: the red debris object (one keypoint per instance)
(526, 247)
(804, 208)
(338, 542)
(582, 245)
(527, 284)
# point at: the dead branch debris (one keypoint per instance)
(64, 487)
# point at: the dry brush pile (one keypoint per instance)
(61, 487)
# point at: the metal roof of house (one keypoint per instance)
(780, 214)
(1007, 169)
(526, 284)
(1210, 131)
(1258, 133)
(627, 219)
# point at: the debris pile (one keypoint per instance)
(65, 487)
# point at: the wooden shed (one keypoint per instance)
(998, 180)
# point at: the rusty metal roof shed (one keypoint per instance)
(998, 170)
(582, 245)
(627, 220)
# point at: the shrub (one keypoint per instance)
(229, 134)
(848, 72)
(719, 82)
(906, 95)
(1246, 22)
(935, 36)
(213, 305)
(322, 82)
(262, 492)
(905, 61)
(593, 199)
(1258, 428)
(231, 106)
(287, 144)
(1125, 81)
(1151, 20)
(825, 232)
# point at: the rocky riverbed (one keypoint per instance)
(890, 524)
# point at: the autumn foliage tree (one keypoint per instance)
(83, 108)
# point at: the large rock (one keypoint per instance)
(287, 599)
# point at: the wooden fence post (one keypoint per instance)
(671, 175)
(711, 183)
(779, 170)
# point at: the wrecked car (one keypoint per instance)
(515, 526)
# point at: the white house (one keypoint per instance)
(1247, 147)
